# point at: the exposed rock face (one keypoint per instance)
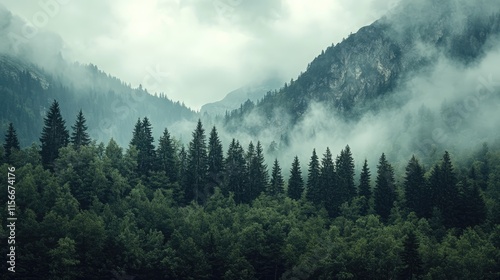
(351, 76)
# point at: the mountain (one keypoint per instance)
(235, 98)
(409, 74)
(110, 106)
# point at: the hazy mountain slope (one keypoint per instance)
(110, 106)
(235, 98)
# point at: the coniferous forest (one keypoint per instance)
(159, 209)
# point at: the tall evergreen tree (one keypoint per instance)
(236, 172)
(472, 211)
(197, 166)
(167, 157)
(364, 188)
(345, 175)
(276, 185)
(313, 193)
(79, 136)
(410, 256)
(215, 160)
(330, 194)
(11, 142)
(415, 188)
(295, 182)
(444, 191)
(142, 139)
(257, 172)
(54, 136)
(385, 190)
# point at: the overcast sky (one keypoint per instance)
(196, 51)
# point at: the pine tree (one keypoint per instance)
(411, 258)
(197, 166)
(236, 172)
(415, 188)
(215, 160)
(345, 175)
(11, 142)
(257, 172)
(79, 136)
(276, 185)
(54, 136)
(444, 191)
(364, 188)
(472, 211)
(385, 191)
(330, 194)
(313, 193)
(167, 157)
(295, 182)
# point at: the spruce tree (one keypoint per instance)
(236, 172)
(79, 136)
(167, 157)
(345, 175)
(313, 193)
(385, 190)
(364, 188)
(11, 142)
(276, 185)
(54, 136)
(330, 195)
(412, 262)
(215, 160)
(415, 188)
(142, 139)
(257, 172)
(197, 166)
(295, 182)
(472, 211)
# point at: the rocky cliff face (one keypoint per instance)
(352, 76)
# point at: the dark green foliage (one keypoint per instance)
(142, 139)
(197, 167)
(385, 189)
(276, 185)
(444, 191)
(215, 161)
(416, 189)
(329, 192)
(167, 157)
(11, 143)
(236, 173)
(345, 175)
(295, 182)
(79, 136)
(257, 173)
(313, 193)
(472, 209)
(412, 262)
(54, 136)
(364, 188)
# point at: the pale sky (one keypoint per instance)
(196, 51)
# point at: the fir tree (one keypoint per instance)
(11, 142)
(295, 183)
(236, 172)
(410, 256)
(345, 175)
(276, 185)
(364, 188)
(197, 166)
(472, 211)
(167, 157)
(415, 188)
(313, 193)
(79, 136)
(54, 136)
(215, 160)
(385, 192)
(257, 172)
(329, 192)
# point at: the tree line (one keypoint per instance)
(181, 212)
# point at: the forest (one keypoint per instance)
(88, 210)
